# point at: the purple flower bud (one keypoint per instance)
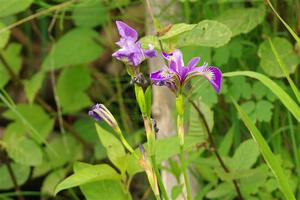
(99, 112)
(131, 51)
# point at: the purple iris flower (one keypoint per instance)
(131, 51)
(176, 75)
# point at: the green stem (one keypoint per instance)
(159, 180)
(180, 133)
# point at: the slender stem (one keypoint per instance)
(5, 159)
(159, 179)
(215, 149)
(180, 133)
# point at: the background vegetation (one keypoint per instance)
(55, 62)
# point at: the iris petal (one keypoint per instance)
(126, 31)
(193, 62)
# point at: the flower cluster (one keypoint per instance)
(131, 51)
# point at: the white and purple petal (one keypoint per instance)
(150, 53)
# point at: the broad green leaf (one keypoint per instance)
(204, 91)
(71, 84)
(90, 13)
(75, 47)
(206, 33)
(118, 3)
(21, 172)
(52, 180)
(245, 155)
(88, 175)
(69, 150)
(221, 191)
(10, 7)
(4, 36)
(177, 29)
(268, 61)
(36, 116)
(286, 100)
(114, 148)
(221, 56)
(195, 51)
(33, 85)
(263, 111)
(12, 57)
(242, 20)
(268, 155)
(240, 88)
(104, 190)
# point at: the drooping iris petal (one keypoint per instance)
(126, 31)
(211, 73)
(150, 53)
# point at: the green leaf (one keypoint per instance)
(242, 20)
(21, 173)
(263, 111)
(240, 88)
(140, 97)
(177, 29)
(4, 36)
(221, 191)
(221, 56)
(75, 47)
(52, 180)
(286, 100)
(148, 100)
(33, 85)
(268, 155)
(90, 13)
(69, 151)
(268, 61)
(103, 190)
(36, 116)
(87, 175)
(12, 56)
(206, 33)
(245, 155)
(21, 149)
(114, 148)
(227, 141)
(71, 84)
(10, 7)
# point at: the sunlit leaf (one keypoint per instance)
(9, 7)
(21, 172)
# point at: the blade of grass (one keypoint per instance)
(268, 155)
(285, 24)
(285, 70)
(286, 100)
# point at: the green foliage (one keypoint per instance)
(71, 86)
(21, 173)
(87, 175)
(86, 13)
(68, 51)
(268, 155)
(13, 6)
(33, 85)
(269, 62)
(4, 36)
(242, 20)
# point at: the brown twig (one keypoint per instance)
(215, 150)
(5, 159)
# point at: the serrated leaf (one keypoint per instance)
(221, 56)
(263, 111)
(114, 148)
(71, 84)
(206, 33)
(268, 61)
(33, 85)
(88, 175)
(21, 172)
(36, 116)
(75, 47)
(4, 36)
(242, 20)
(245, 155)
(90, 13)
(10, 7)
(240, 88)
